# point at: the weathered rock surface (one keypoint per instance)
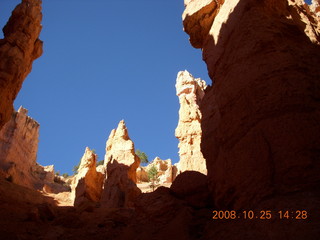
(18, 155)
(315, 8)
(121, 163)
(18, 149)
(260, 119)
(190, 91)
(192, 187)
(19, 48)
(87, 185)
(142, 175)
(164, 168)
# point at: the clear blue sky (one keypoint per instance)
(105, 61)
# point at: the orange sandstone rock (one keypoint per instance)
(18, 149)
(19, 48)
(260, 119)
(190, 92)
(121, 163)
(18, 154)
(87, 185)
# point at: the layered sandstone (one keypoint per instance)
(18, 49)
(121, 163)
(18, 149)
(87, 184)
(190, 91)
(142, 175)
(18, 155)
(260, 119)
(164, 168)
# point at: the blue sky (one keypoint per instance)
(105, 61)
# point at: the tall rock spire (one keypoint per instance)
(121, 163)
(190, 91)
(18, 49)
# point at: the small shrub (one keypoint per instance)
(153, 177)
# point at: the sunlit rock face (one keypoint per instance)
(18, 152)
(142, 175)
(87, 185)
(260, 119)
(121, 163)
(18, 49)
(315, 9)
(164, 168)
(190, 91)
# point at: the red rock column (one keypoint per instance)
(19, 48)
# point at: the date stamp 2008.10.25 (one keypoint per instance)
(262, 214)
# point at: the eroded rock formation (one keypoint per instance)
(260, 119)
(142, 175)
(190, 91)
(18, 155)
(87, 185)
(164, 168)
(166, 171)
(315, 7)
(121, 163)
(192, 187)
(18, 149)
(19, 48)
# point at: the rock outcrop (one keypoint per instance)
(142, 175)
(121, 163)
(192, 187)
(260, 119)
(18, 149)
(164, 168)
(315, 7)
(87, 185)
(18, 155)
(19, 48)
(190, 91)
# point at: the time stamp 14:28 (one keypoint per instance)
(263, 214)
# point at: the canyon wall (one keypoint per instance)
(190, 91)
(260, 119)
(18, 152)
(18, 49)
(121, 163)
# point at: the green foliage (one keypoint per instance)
(75, 169)
(65, 175)
(153, 177)
(57, 173)
(152, 172)
(100, 163)
(143, 157)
